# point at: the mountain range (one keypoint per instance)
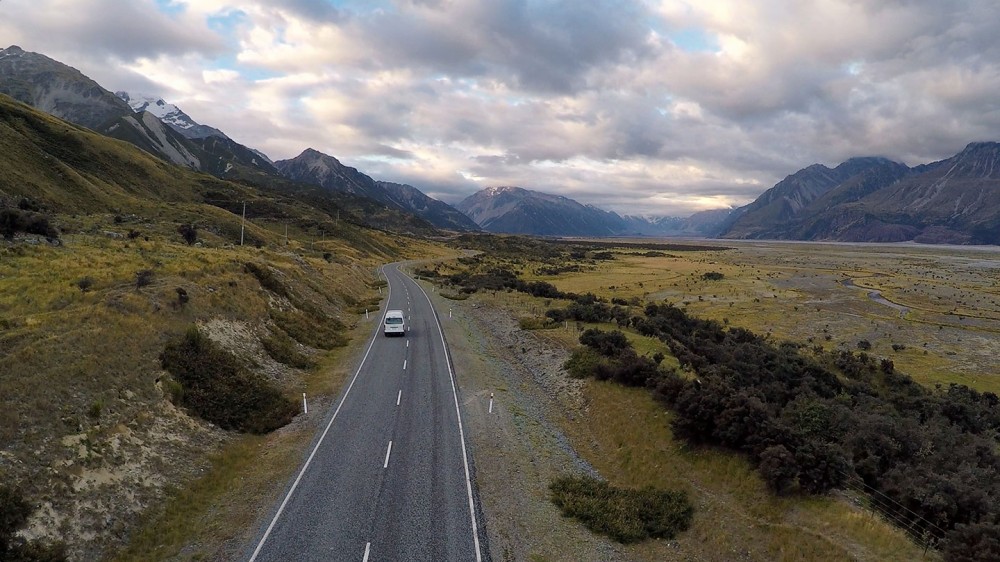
(164, 130)
(953, 201)
(866, 199)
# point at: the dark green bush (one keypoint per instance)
(609, 344)
(625, 515)
(13, 221)
(585, 362)
(712, 276)
(217, 388)
(189, 232)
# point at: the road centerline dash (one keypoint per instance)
(388, 451)
(399, 397)
(368, 550)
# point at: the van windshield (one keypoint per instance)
(393, 320)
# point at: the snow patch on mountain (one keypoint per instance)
(169, 114)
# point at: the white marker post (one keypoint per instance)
(449, 313)
(366, 314)
(491, 402)
(305, 405)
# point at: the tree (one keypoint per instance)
(778, 468)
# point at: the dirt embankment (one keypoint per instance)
(519, 448)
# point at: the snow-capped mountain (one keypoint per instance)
(169, 114)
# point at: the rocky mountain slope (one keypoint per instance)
(169, 114)
(314, 167)
(954, 201)
(65, 92)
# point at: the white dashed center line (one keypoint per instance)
(387, 452)
(368, 550)
(399, 397)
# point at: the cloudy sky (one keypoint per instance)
(645, 107)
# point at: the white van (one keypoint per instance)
(394, 323)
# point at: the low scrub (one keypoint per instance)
(217, 388)
(267, 279)
(13, 221)
(308, 329)
(625, 515)
(537, 323)
(282, 349)
(14, 513)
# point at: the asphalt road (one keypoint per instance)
(389, 477)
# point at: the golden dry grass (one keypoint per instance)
(736, 517)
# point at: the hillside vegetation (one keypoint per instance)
(831, 416)
(110, 321)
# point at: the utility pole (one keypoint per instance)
(243, 222)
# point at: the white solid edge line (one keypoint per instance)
(461, 432)
(298, 478)
(368, 550)
(387, 452)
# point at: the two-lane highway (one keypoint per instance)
(389, 477)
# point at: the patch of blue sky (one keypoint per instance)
(226, 22)
(693, 39)
(247, 72)
(170, 7)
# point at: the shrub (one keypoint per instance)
(13, 221)
(189, 232)
(536, 323)
(85, 283)
(864, 345)
(267, 279)
(281, 348)
(609, 344)
(218, 389)
(778, 468)
(712, 276)
(308, 329)
(143, 278)
(625, 515)
(584, 362)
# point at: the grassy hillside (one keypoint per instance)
(94, 433)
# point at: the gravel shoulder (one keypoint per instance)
(518, 448)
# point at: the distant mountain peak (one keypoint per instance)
(169, 114)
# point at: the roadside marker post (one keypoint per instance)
(366, 314)
(305, 405)
(449, 313)
(491, 402)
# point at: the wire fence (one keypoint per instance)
(924, 532)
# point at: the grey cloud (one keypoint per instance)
(546, 47)
(121, 31)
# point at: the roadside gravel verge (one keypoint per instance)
(519, 448)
